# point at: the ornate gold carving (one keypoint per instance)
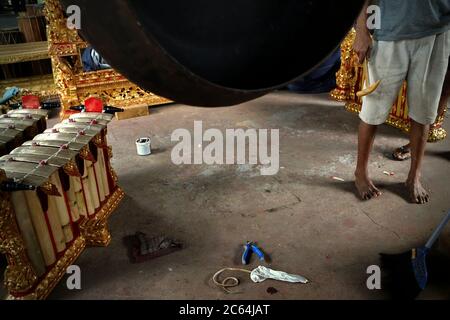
(347, 75)
(86, 154)
(94, 233)
(95, 230)
(50, 189)
(350, 79)
(99, 141)
(52, 278)
(437, 134)
(19, 275)
(23, 52)
(74, 85)
(71, 169)
(114, 176)
(57, 31)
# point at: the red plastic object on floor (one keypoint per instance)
(93, 105)
(31, 102)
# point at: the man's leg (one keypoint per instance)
(364, 185)
(445, 96)
(418, 142)
(404, 153)
(389, 63)
(426, 94)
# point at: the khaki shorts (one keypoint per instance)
(422, 63)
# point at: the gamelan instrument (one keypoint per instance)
(215, 53)
(61, 189)
(18, 126)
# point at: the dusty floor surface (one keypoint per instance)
(307, 222)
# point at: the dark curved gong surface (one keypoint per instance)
(215, 52)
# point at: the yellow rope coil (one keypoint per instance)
(228, 282)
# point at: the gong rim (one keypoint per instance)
(164, 74)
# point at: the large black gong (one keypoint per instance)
(215, 52)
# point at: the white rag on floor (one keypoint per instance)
(261, 274)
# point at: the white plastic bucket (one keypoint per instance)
(144, 146)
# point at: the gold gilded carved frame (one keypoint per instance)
(75, 85)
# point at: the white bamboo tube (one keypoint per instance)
(81, 203)
(101, 157)
(43, 233)
(92, 183)
(55, 224)
(98, 173)
(30, 239)
(71, 195)
(68, 233)
(63, 209)
(88, 194)
(76, 183)
(60, 202)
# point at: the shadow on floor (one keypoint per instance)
(440, 154)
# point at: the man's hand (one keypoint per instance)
(363, 41)
(362, 45)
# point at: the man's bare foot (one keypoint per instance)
(366, 188)
(417, 192)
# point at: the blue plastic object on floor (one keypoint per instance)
(249, 248)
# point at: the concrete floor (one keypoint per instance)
(307, 222)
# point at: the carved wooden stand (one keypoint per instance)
(20, 279)
(75, 85)
(19, 275)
